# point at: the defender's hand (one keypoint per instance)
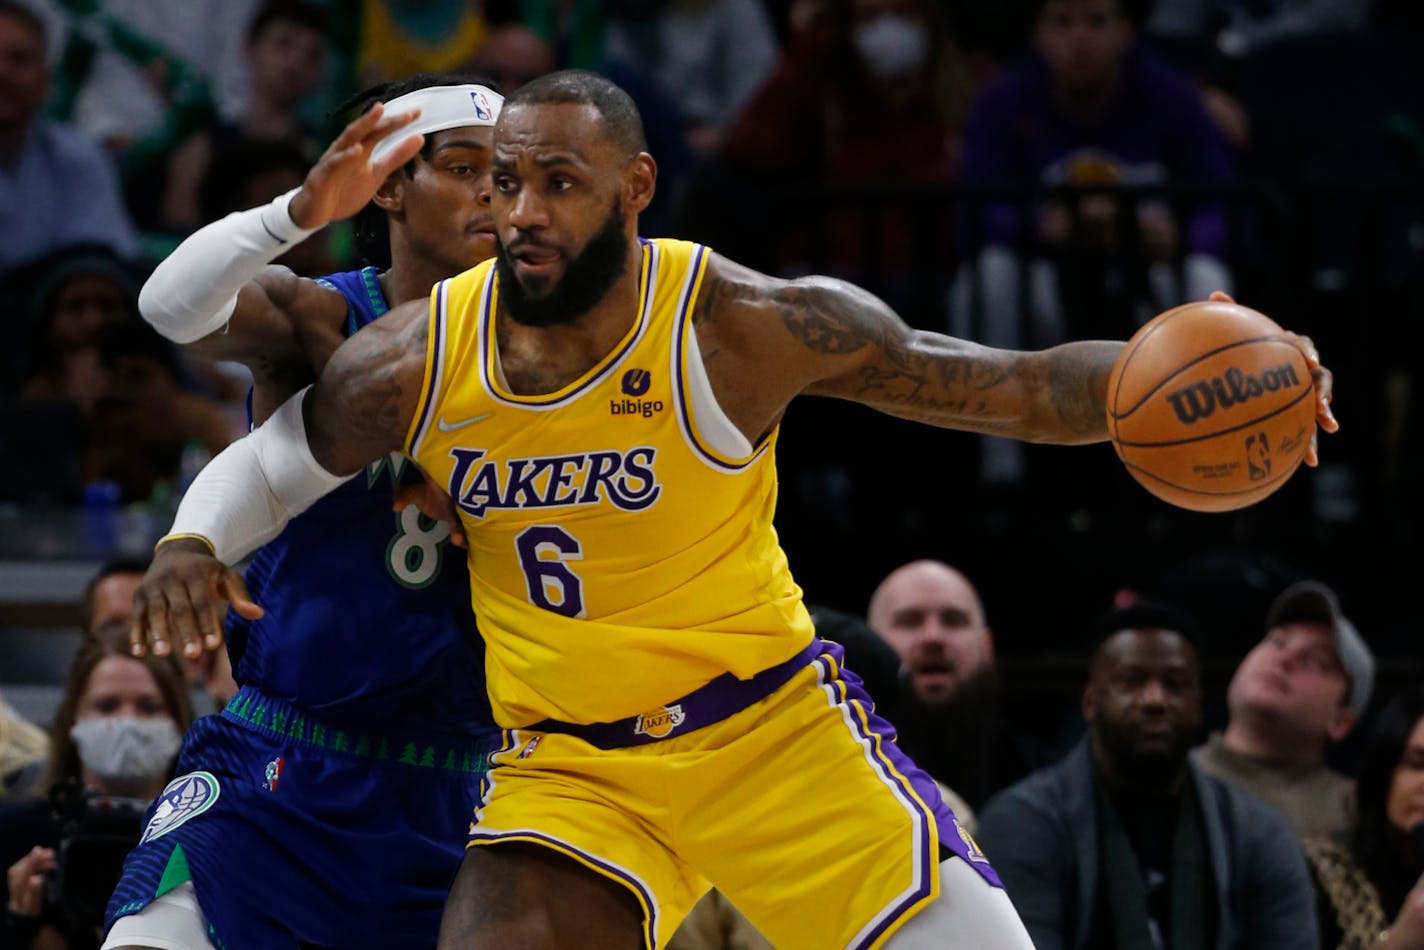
(1324, 387)
(179, 602)
(434, 502)
(25, 879)
(345, 178)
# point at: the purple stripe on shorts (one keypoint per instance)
(900, 771)
(644, 895)
(708, 704)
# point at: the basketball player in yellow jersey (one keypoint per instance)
(603, 411)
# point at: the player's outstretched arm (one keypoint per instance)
(218, 292)
(358, 411)
(827, 337)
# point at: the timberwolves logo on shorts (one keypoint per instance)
(659, 722)
(187, 796)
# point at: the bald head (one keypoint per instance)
(930, 613)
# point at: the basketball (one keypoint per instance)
(1211, 406)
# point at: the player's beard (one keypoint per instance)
(586, 280)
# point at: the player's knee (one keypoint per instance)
(517, 896)
(969, 911)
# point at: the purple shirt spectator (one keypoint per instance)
(1155, 130)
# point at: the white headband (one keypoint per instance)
(441, 107)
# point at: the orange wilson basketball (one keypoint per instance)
(1211, 406)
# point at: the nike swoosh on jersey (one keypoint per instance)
(444, 426)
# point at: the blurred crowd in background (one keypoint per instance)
(1017, 173)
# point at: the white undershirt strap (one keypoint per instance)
(716, 430)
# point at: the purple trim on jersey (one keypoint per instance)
(645, 895)
(710, 703)
(682, 390)
(488, 346)
(437, 362)
(912, 785)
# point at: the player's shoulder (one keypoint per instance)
(469, 281)
(306, 300)
(727, 289)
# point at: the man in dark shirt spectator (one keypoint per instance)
(1125, 843)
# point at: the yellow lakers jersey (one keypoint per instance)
(618, 558)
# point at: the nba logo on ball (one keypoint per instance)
(1211, 406)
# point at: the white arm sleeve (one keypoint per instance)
(193, 292)
(246, 495)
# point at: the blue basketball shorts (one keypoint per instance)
(293, 831)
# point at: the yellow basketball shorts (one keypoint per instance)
(799, 807)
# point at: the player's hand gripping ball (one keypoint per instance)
(1211, 406)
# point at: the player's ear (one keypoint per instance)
(390, 197)
(640, 181)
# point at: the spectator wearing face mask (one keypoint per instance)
(115, 740)
(867, 91)
(710, 57)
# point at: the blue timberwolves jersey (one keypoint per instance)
(368, 614)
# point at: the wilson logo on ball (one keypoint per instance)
(1202, 398)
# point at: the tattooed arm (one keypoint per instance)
(766, 340)
(355, 414)
(362, 406)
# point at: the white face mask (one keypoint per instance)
(891, 45)
(120, 748)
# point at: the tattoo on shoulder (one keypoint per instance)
(823, 319)
(370, 379)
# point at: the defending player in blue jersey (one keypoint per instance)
(328, 804)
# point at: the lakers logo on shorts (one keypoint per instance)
(660, 722)
(974, 854)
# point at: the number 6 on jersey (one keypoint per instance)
(544, 550)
